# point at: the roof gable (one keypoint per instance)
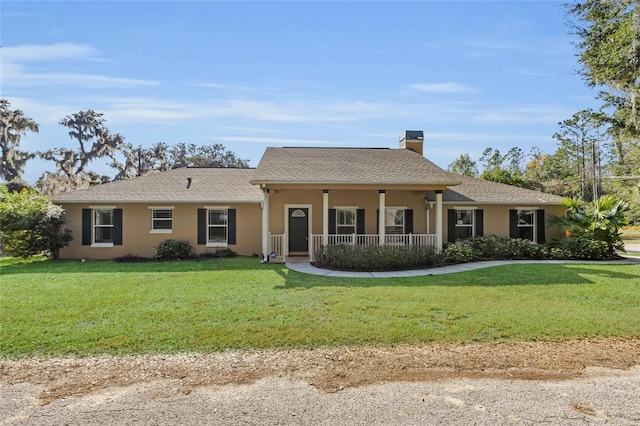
(349, 166)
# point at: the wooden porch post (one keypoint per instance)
(325, 217)
(381, 216)
(265, 225)
(439, 220)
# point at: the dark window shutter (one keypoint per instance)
(540, 226)
(332, 221)
(202, 226)
(86, 227)
(513, 223)
(117, 227)
(408, 221)
(451, 225)
(378, 220)
(231, 218)
(360, 221)
(479, 222)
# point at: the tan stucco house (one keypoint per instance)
(298, 199)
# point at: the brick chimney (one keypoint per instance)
(412, 139)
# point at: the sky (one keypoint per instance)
(249, 75)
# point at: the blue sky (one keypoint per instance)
(249, 75)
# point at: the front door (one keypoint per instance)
(298, 230)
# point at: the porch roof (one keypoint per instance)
(349, 166)
(224, 185)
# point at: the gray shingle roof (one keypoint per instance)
(474, 190)
(207, 185)
(349, 166)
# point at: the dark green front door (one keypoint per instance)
(298, 230)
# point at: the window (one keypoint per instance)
(103, 227)
(345, 221)
(464, 224)
(161, 220)
(526, 224)
(394, 221)
(217, 224)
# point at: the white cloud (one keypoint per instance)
(448, 87)
(277, 141)
(16, 76)
(15, 72)
(542, 114)
(34, 52)
(168, 112)
(229, 87)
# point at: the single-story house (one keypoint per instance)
(298, 199)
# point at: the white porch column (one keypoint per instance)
(265, 225)
(325, 217)
(381, 215)
(439, 220)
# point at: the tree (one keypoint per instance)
(13, 124)
(609, 47)
(216, 155)
(464, 165)
(31, 224)
(580, 138)
(505, 169)
(548, 173)
(141, 161)
(94, 142)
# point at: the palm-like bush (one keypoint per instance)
(601, 222)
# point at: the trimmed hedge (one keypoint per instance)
(349, 257)
(492, 248)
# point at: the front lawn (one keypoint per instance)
(58, 308)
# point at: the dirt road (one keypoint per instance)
(578, 382)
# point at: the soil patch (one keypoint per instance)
(330, 370)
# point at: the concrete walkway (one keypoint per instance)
(308, 268)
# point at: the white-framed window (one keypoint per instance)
(464, 224)
(526, 224)
(103, 231)
(217, 227)
(346, 221)
(394, 220)
(161, 220)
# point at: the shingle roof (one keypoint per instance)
(349, 166)
(474, 190)
(207, 185)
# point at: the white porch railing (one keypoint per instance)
(276, 241)
(276, 245)
(371, 240)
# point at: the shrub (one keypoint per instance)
(490, 248)
(219, 253)
(459, 253)
(376, 258)
(174, 250)
(579, 248)
(130, 258)
(31, 224)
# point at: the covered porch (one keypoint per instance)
(337, 216)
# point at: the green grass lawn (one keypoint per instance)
(58, 308)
